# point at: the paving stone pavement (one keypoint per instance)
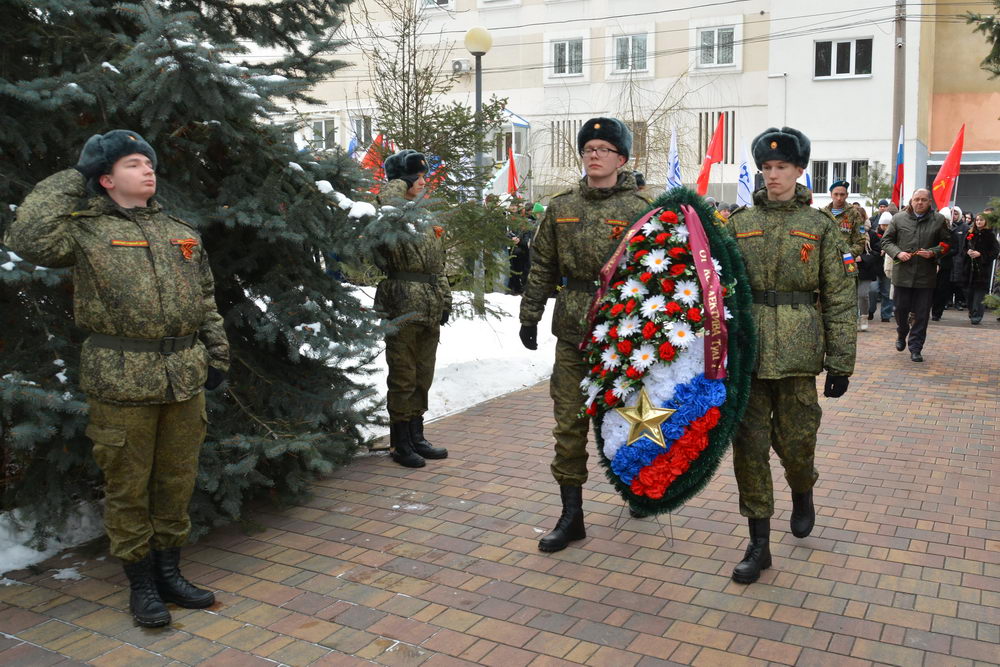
(439, 566)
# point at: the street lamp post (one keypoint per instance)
(478, 41)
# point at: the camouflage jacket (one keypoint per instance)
(851, 221)
(791, 247)
(580, 230)
(908, 233)
(414, 302)
(137, 273)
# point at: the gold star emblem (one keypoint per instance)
(774, 144)
(644, 420)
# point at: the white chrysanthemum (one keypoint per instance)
(628, 326)
(681, 335)
(619, 389)
(717, 266)
(686, 291)
(652, 227)
(656, 261)
(644, 357)
(681, 233)
(601, 331)
(610, 358)
(728, 314)
(653, 306)
(623, 262)
(634, 288)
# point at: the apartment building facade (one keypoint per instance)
(677, 66)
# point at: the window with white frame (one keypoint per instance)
(563, 150)
(567, 57)
(859, 173)
(715, 46)
(361, 128)
(708, 121)
(820, 174)
(839, 171)
(630, 53)
(436, 3)
(843, 58)
(323, 133)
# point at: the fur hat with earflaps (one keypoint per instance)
(786, 144)
(610, 130)
(406, 165)
(101, 152)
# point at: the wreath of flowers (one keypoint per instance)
(648, 337)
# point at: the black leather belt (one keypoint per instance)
(409, 276)
(165, 345)
(773, 298)
(578, 285)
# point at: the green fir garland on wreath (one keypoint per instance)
(742, 345)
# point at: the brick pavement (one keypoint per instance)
(439, 566)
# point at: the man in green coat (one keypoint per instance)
(579, 232)
(416, 295)
(144, 290)
(802, 275)
(916, 238)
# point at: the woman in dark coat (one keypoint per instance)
(982, 248)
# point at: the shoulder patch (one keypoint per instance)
(849, 264)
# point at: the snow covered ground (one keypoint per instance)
(477, 360)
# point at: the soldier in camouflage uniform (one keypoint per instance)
(802, 275)
(416, 294)
(580, 230)
(144, 290)
(850, 219)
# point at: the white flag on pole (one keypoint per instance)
(744, 186)
(673, 163)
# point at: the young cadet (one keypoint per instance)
(144, 290)
(802, 275)
(580, 230)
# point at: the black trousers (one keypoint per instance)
(916, 300)
(974, 297)
(942, 295)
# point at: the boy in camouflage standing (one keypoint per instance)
(144, 290)
(580, 230)
(802, 275)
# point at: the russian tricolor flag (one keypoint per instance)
(897, 184)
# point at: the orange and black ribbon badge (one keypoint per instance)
(618, 227)
(805, 250)
(438, 231)
(187, 246)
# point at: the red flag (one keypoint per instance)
(713, 155)
(944, 184)
(374, 158)
(511, 172)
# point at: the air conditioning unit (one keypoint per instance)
(460, 66)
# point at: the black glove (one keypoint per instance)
(215, 378)
(444, 317)
(835, 385)
(529, 336)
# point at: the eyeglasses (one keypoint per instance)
(599, 152)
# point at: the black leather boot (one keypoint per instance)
(400, 447)
(569, 527)
(144, 601)
(420, 444)
(803, 513)
(758, 555)
(172, 585)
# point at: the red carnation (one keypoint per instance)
(645, 276)
(629, 306)
(617, 284)
(613, 333)
(945, 247)
(610, 398)
(596, 369)
(638, 238)
(638, 255)
(668, 216)
(667, 285)
(678, 269)
(672, 308)
(725, 290)
(667, 351)
(662, 237)
(633, 372)
(694, 314)
(604, 372)
(625, 346)
(592, 410)
(676, 252)
(617, 309)
(605, 306)
(649, 330)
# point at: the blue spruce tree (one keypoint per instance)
(268, 213)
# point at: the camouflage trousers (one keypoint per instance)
(569, 465)
(149, 456)
(410, 353)
(784, 415)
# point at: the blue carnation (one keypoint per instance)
(630, 459)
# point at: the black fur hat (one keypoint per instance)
(786, 144)
(610, 130)
(407, 165)
(101, 152)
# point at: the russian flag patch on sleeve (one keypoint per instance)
(849, 265)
